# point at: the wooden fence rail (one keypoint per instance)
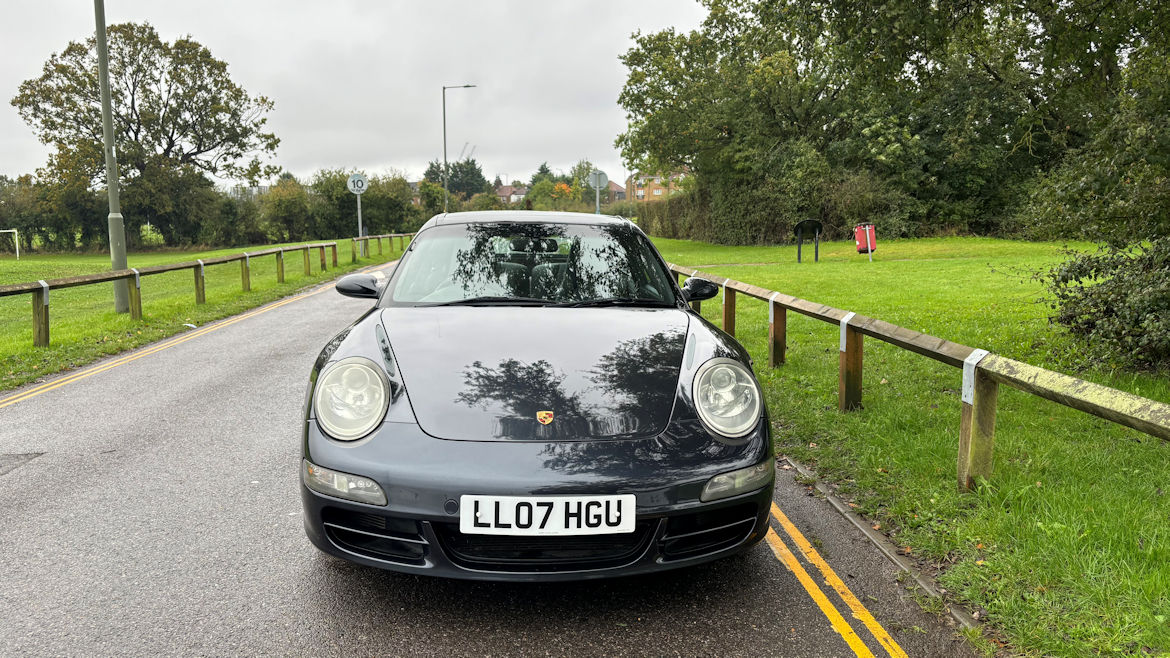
(353, 253)
(983, 372)
(40, 289)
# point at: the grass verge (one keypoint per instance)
(1067, 548)
(83, 324)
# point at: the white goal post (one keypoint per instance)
(15, 239)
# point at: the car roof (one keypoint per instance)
(524, 217)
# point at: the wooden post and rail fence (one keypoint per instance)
(353, 247)
(40, 289)
(982, 373)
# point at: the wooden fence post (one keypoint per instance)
(245, 273)
(333, 248)
(40, 304)
(308, 267)
(322, 250)
(697, 306)
(977, 424)
(777, 332)
(380, 244)
(353, 251)
(729, 310)
(280, 266)
(200, 294)
(401, 243)
(135, 288)
(849, 376)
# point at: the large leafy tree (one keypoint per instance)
(465, 177)
(174, 106)
(919, 116)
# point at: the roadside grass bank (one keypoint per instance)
(1067, 549)
(84, 326)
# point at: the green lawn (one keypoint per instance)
(84, 326)
(1067, 549)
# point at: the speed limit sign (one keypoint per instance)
(358, 184)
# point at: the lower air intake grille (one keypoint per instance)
(374, 536)
(542, 554)
(701, 533)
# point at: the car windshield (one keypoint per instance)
(533, 264)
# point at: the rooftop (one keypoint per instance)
(522, 216)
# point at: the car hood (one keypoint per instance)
(487, 373)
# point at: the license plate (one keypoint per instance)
(547, 515)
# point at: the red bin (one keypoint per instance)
(866, 238)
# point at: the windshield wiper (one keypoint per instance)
(489, 300)
(618, 301)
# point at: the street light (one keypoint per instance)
(114, 219)
(445, 176)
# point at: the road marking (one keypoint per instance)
(134, 356)
(859, 611)
(835, 619)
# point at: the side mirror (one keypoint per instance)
(359, 285)
(696, 289)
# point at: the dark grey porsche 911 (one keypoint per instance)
(532, 398)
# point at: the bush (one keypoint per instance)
(1118, 300)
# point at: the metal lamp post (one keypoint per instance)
(446, 194)
(116, 227)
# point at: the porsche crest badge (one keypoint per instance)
(544, 417)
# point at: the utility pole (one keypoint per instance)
(446, 194)
(114, 219)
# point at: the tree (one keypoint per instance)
(431, 197)
(580, 175)
(173, 105)
(485, 201)
(542, 173)
(465, 177)
(497, 183)
(540, 194)
(434, 172)
(948, 112)
(285, 211)
(176, 200)
(387, 204)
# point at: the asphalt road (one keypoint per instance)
(151, 506)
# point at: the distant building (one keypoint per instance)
(616, 192)
(415, 197)
(644, 187)
(511, 193)
(245, 192)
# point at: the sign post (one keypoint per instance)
(598, 180)
(358, 184)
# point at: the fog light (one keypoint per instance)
(733, 483)
(341, 485)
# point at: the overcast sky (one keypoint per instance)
(357, 84)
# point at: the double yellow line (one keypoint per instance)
(836, 620)
(134, 356)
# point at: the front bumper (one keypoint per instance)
(423, 477)
(375, 537)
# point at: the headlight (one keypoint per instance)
(726, 397)
(351, 398)
(726, 485)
